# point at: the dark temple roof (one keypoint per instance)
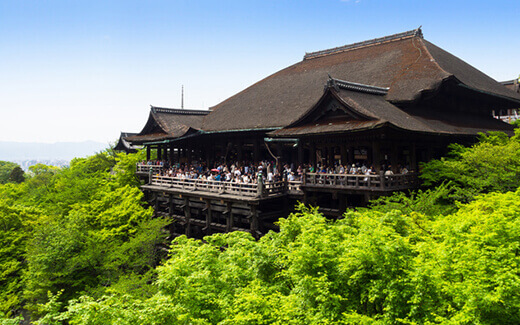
(367, 110)
(404, 63)
(123, 144)
(513, 85)
(168, 123)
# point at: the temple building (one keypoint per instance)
(509, 115)
(124, 145)
(389, 102)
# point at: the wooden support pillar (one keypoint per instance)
(351, 155)
(187, 215)
(188, 155)
(254, 222)
(312, 154)
(300, 152)
(170, 205)
(240, 152)
(343, 153)
(342, 203)
(256, 150)
(147, 152)
(376, 155)
(208, 217)
(171, 158)
(413, 158)
(159, 152)
(279, 154)
(156, 206)
(394, 157)
(229, 218)
(331, 156)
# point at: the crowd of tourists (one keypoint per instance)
(268, 171)
(245, 172)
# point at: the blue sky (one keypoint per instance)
(85, 70)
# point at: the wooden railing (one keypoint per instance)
(145, 169)
(294, 186)
(219, 187)
(361, 182)
(379, 182)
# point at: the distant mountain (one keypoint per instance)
(11, 151)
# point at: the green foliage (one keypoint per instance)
(71, 231)
(4, 320)
(92, 246)
(16, 223)
(491, 165)
(17, 175)
(371, 267)
(78, 246)
(126, 166)
(430, 202)
(6, 167)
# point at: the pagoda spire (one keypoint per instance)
(182, 97)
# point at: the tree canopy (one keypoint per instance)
(79, 246)
(6, 168)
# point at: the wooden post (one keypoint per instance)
(413, 158)
(170, 198)
(376, 155)
(254, 222)
(159, 152)
(260, 185)
(187, 215)
(208, 217)
(343, 152)
(312, 154)
(256, 150)
(300, 152)
(342, 202)
(229, 218)
(394, 159)
(188, 155)
(382, 179)
(351, 155)
(156, 207)
(147, 152)
(240, 151)
(171, 158)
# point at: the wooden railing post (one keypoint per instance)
(382, 179)
(260, 188)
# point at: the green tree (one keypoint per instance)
(16, 223)
(371, 267)
(5, 170)
(491, 165)
(17, 175)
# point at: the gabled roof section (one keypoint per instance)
(467, 74)
(404, 63)
(367, 110)
(169, 123)
(332, 108)
(123, 144)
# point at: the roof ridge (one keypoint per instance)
(348, 85)
(376, 41)
(156, 109)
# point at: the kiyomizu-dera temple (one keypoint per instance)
(339, 127)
